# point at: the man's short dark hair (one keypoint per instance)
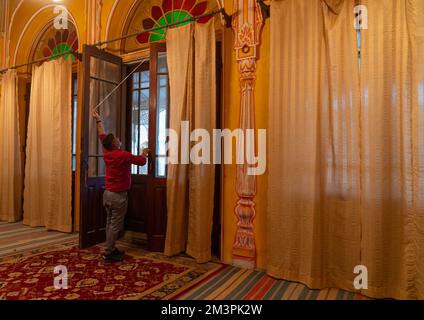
(108, 141)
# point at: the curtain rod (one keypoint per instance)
(74, 53)
(173, 24)
(78, 55)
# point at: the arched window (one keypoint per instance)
(159, 13)
(2, 15)
(53, 42)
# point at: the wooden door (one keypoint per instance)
(216, 227)
(147, 121)
(147, 118)
(102, 74)
(138, 137)
(159, 122)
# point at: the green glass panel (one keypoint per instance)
(182, 16)
(162, 22)
(156, 37)
(159, 31)
(174, 16)
(170, 17)
(62, 48)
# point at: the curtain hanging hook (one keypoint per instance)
(166, 32)
(265, 8)
(227, 18)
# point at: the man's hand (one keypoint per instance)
(146, 152)
(96, 116)
(100, 127)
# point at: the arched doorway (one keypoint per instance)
(144, 109)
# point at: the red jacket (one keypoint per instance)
(118, 168)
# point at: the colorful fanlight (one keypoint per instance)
(62, 42)
(172, 11)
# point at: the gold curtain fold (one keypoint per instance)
(190, 188)
(48, 170)
(336, 6)
(10, 151)
(179, 45)
(313, 225)
(346, 168)
(202, 176)
(392, 160)
(419, 193)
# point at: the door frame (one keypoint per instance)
(153, 218)
(158, 211)
(153, 221)
(157, 238)
(132, 224)
(155, 195)
(90, 51)
(217, 230)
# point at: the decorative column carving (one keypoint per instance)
(4, 33)
(247, 26)
(93, 20)
(3, 43)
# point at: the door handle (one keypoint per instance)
(84, 170)
(150, 158)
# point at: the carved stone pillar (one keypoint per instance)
(4, 34)
(247, 27)
(93, 20)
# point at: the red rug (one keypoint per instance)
(90, 278)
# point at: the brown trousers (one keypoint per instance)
(116, 205)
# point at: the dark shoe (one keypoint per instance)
(118, 252)
(113, 257)
(121, 234)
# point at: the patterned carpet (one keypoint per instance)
(141, 275)
(29, 255)
(231, 283)
(15, 238)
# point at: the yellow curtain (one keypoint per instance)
(202, 176)
(10, 153)
(190, 188)
(392, 160)
(346, 166)
(313, 226)
(419, 36)
(179, 49)
(48, 171)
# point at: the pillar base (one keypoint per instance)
(244, 262)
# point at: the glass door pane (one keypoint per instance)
(135, 109)
(103, 80)
(162, 114)
(139, 95)
(74, 122)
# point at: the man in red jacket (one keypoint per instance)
(118, 183)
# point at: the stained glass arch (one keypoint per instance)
(158, 13)
(54, 41)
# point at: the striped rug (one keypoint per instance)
(16, 238)
(231, 283)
